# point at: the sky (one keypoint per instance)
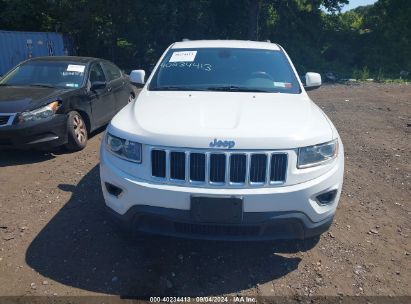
(356, 3)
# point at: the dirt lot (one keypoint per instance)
(55, 239)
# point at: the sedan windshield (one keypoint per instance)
(225, 69)
(46, 74)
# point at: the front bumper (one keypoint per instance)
(287, 212)
(47, 133)
(255, 225)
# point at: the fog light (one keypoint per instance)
(327, 197)
(113, 190)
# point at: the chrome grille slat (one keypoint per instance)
(227, 167)
(219, 168)
(268, 169)
(247, 173)
(167, 164)
(187, 164)
(207, 168)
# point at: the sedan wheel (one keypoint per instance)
(79, 128)
(77, 132)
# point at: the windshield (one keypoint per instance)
(225, 69)
(47, 74)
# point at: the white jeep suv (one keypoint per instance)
(223, 142)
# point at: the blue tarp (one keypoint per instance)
(16, 47)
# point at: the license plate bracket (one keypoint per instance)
(224, 210)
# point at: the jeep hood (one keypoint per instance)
(251, 120)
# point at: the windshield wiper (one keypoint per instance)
(4, 85)
(216, 88)
(175, 88)
(43, 85)
(237, 89)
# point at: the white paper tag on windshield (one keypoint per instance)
(279, 84)
(72, 85)
(184, 56)
(76, 68)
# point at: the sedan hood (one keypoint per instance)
(16, 99)
(251, 120)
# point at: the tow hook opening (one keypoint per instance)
(326, 197)
(113, 190)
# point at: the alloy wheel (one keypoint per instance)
(79, 128)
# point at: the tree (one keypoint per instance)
(134, 33)
(254, 13)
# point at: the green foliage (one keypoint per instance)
(134, 33)
(380, 75)
(362, 74)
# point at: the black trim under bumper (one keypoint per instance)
(47, 133)
(254, 226)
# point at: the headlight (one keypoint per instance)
(39, 113)
(126, 149)
(316, 155)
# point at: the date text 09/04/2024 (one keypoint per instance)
(222, 299)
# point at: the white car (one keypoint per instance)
(223, 142)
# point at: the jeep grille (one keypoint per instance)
(220, 168)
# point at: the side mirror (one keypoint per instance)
(97, 85)
(137, 77)
(312, 81)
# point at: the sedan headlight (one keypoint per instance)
(126, 149)
(40, 113)
(316, 155)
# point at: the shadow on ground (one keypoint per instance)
(12, 157)
(80, 248)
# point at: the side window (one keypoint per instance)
(96, 73)
(112, 71)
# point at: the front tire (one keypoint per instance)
(76, 131)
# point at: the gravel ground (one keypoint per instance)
(55, 239)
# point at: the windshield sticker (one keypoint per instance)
(194, 65)
(76, 68)
(72, 85)
(186, 56)
(71, 73)
(286, 85)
